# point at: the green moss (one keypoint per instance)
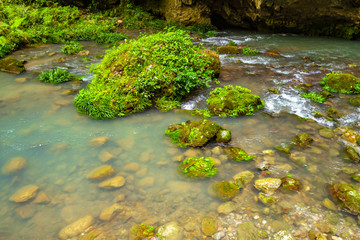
(198, 167)
(302, 140)
(285, 148)
(249, 51)
(164, 104)
(228, 49)
(161, 68)
(223, 136)
(289, 184)
(233, 101)
(267, 199)
(351, 154)
(238, 154)
(355, 102)
(11, 65)
(347, 196)
(193, 133)
(55, 76)
(313, 96)
(225, 190)
(141, 231)
(71, 47)
(341, 82)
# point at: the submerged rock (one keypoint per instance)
(267, 199)
(243, 178)
(238, 154)
(12, 65)
(101, 172)
(224, 190)
(341, 82)
(302, 140)
(193, 133)
(326, 133)
(76, 228)
(113, 183)
(141, 231)
(24, 194)
(352, 154)
(347, 196)
(290, 184)
(198, 167)
(208, 226)
(171, 231)
(247, 231)
(14, 165)
(108, 213)
(233, 101)
(355, 102)
(98, 141)
(228, 49)
(227, 207)
(267, 185)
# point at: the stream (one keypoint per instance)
(39, 123)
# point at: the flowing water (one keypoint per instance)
(39, 123)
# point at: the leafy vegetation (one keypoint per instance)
(249, 51)
(198, 167)
(71, 47)
(161, 68)
(55, 76)
(341, 82)
(313, 96)
(233, 101)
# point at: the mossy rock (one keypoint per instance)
(302, 140)
(247, 231)
(161, 69)
(224, 190)
(268, 185)
(352, 154)
(141, 231)
(208, 226)
(243, 178)
(238, 154)
(12, 65)
(233, 101)
(198, 167)
(223, 136)
(326, 133)
(267, 199)
(341, 82)
(193, 133)
(227, 49)
(213, 60)
(347, 196)
(284, 148)
(355, 102)
(289, 184)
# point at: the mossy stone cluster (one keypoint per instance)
(11, 65)
(159, 69)
(233, 101)
(341, 82)
(194, 133)
(238, 154)
(347, 196)
(198, 167)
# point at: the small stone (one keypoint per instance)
(243, 178)
(298, 159)
(105, 156)
(76, 228)
(14, 165)
(52, 54)
(267, 185)
(20, 80)
(24, 194)
(120, 197)
(42, 197)
(247, 231)
(217, 150)
(171, 231)
(108, 213)
(146, 182)
(11, 65)
(192, 153)
(313, 169)
(141, 173)
(326, 133)
(144, 157)
(63, 102)
(83, 53)
(101, 172)
(25, 212)
(98, 141)
(227, 207)
(267, 199)
(131, 167)
(113, 183)
(208, 226)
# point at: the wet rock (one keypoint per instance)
(223, 136)
(108, 213)
(267, 199)
(217, 150)
(347, 196)
(227, 207)
(273, 54)
(340, 82)
(284, 148)
(224, 190)
(83, 53)
(247, 231)
(24, 194)
(13, 165)
(105, 156)
(25, 212)
(20, 80)
(302, 140)
(282, 235)
(141, 231)
(355, 102)
(227, 49)
(11, 65)
(267, 185)
(146, 182)
(76, 228)
(131, 167)
(326, 133)
(356, 177)
(171, 231)
(298, 159)
(238, 154)
(101, 172)
(351, 136)
(113, 183)
(193, 133)
(352, 154)
(290, 184)
(243, 178)
(198, 167)
(41, 197)
(214, 61)
(314, 235)
(98, 141)
(274, 90)
(208, 226)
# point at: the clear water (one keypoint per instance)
(39, 123)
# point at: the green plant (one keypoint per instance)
(198, 167)
(341, 82)
(55, 76)
(109, 38)
(249, 51)
(313, 96)
(232, 43)
(161, 68)
(238, 154)
(71, 47)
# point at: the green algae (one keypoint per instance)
(238, 154)
(341, 82)
(225, 190)
(198, 167)
(347, 196)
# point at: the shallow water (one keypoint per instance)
(39, 123)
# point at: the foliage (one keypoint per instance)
(250, 51)
(232, 43)
(313, 96)
(341, 82)
(198, 167)
(233, 101)
(238, 154)
(71, 47)
(162, 67)
(164, 104)
(55, 76)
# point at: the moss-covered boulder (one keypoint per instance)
(347, 196)
(158, 69)
(11, 65)
(198, 167)
(228, 49)
(289, 184)
(224, 190)
(341, 82)
(243, 178)
(213, 60)
(351, 154)
(193, 133)
(302, 140)
(238, 154)
(224, 136)
(233, 101)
